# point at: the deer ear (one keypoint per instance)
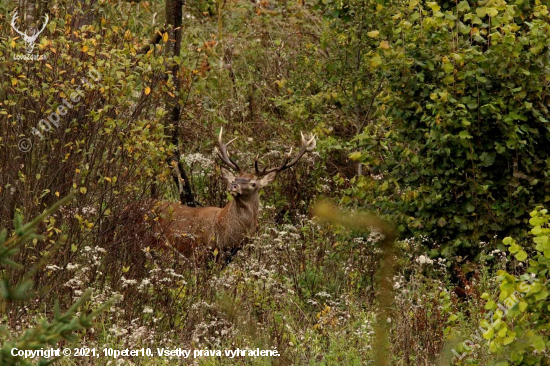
(267, 179)
(227, 175)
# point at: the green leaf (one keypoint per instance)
(355, 155)
(489, 334)
(375, 61)
(514, 248)
(464, 135)
(539, 344)
(492, 12)
(481, 11)
(541, 295)
(487, 159)
(521, 256)
(507, 240)
(463, 6)
(522, 306)
(448, 67)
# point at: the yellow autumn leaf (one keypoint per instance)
(85, 48)
(57, 194)
(147, 91)
(13, 82)
(373, 34)
(384, 45)
(165, 37)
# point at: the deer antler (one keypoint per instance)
(35, 34)
(224, 156)
(307, 146)
(13, 19)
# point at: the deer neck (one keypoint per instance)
(239, 218)
(245, 209)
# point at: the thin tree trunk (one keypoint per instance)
(174, 15)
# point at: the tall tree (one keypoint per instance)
(174, 13)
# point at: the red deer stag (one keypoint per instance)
(197, 233)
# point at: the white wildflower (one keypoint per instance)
(424, 260)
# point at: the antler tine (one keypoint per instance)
(224, 156)
(46, 19)
(256, 168)
(36, 33)
(264, 170)
(311, 141)
(307, 146)
(13, 19)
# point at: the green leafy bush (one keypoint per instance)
(459, 144)
(521, 319)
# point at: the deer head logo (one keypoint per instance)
(29, 39)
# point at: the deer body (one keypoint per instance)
(198, 232)
(192, 231)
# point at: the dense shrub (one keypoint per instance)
(458, 149)
(519, 327)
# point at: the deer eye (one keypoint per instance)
(253, 184)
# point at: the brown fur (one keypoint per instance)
(197, 232)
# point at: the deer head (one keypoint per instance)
(245, 185)
(29, 39)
